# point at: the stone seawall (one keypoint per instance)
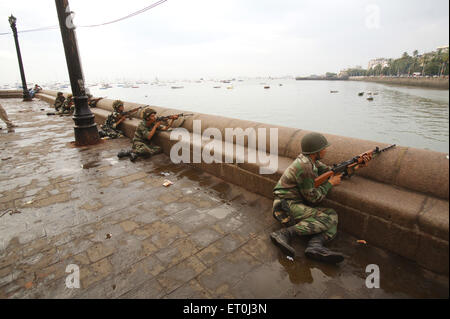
(432, 83)
(400, 202)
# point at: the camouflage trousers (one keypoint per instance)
(66, 110)
(308, 220)
(146, 150)
(110, 132)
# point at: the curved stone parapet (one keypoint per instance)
(5, 94)
(400, 202)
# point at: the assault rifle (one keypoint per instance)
(347, 168)
(128, 113)
(168, 117)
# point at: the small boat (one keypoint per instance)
(229, 87)
(135, 86)
(375, 93)
(267, 87)
(105, 86)
(280, 84)
(333, 91)
(177, 87)
(370, 98)
(217, 87)
(360, 93)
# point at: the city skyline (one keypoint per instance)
(210, 39)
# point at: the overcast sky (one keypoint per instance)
(190, 39)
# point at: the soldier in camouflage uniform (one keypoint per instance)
(67, 107)
(93, 102)
(59, 101)
(294, 194)
(142, 146)
(109, 128)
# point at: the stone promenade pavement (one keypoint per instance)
(131, 237)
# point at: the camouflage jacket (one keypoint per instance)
(142, 132)
(67, 104)
(297, 182)
(111, 120)
(59, 101)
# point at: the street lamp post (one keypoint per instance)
(12, 22)
(86, 132)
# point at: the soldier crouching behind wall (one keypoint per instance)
(142, 146)
(59, 101)
(68, 107)
(110, 127)
(294, 190)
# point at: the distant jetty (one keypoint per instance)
(321, 78)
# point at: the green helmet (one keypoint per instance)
(313, 143)
(148, 112)
(117, 104)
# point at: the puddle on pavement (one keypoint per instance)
(183, 171)
(398, 276)
(112, 160)
(24, 129)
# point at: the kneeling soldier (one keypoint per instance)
(294, 191)
(110, 127)
(59, 101)
(67, 107)
(142, 145)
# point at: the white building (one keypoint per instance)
(380, 61)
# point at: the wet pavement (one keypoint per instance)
(131, 237)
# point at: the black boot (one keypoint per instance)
(317, 251)
(133, 156)
(124, 153)
(282, 238)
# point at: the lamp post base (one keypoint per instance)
(27, 97)
(87, 135)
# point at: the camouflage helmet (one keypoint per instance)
(313, 143)
(69, 96)
(147, 113)
(117, 104)
(60, 93)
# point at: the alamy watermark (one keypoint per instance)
(373, 16)
(73, 280)
(217, 149)
(69, 18)
(373, 279)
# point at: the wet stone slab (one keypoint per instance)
(131, 237)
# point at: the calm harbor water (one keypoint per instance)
(402, 115)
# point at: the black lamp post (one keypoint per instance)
(86, 132)
(26, 95)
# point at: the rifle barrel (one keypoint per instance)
(385, 149)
